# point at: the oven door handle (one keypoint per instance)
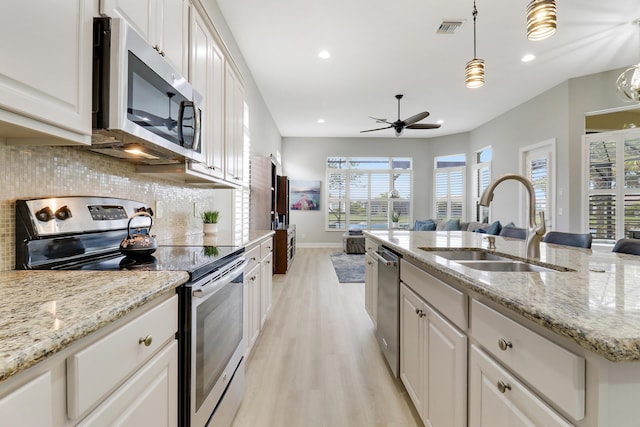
(209, 288)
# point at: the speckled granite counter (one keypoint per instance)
(42, 312)
(212, 240)
(597, 306)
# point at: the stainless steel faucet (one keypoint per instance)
(534, 232)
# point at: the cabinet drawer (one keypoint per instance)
(93, 372)
(496, 398)
(552, 370)
(266, 247)
(447, 300)
(253, 256)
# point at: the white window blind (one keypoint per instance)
(449, 192)
(242, 195)
(613, 178)
(366, 192)
(481, 180)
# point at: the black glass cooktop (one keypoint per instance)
(195, 260)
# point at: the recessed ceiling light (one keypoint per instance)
(324, 54)
(320, 121)
(440, 122)
(528, 57)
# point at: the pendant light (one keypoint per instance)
(474, 70)
(628, 83)
(541, 19)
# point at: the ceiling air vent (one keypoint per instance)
(449, 27)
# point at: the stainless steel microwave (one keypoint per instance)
(143, 110)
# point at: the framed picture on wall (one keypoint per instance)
(304, 195)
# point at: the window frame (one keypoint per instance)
(450, 199)
(477, 185)
(619, 192)
(370, 200)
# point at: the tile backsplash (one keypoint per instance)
(32, 172)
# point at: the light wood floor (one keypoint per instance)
(317, 362)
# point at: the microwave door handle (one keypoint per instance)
(196, 124)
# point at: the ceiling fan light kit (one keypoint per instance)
(474, 70)
(628, 83)
(541, 19)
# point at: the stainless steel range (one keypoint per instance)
(84, 233)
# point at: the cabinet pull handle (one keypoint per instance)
(146, 340)
(504, 344)
(503, 387)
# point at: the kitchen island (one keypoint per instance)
(588, 312)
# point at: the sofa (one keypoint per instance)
(495, 228)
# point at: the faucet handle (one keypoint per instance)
(542, 228)
(492, 242)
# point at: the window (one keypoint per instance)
(368, 192)
(613, 184)
(448, 178)
(242, 195)
(539, 168)
(481, 179)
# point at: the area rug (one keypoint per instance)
(349, 267)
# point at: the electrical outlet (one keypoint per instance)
(197, 209)
(159, 211)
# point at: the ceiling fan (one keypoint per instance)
(409, 123)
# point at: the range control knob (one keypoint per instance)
(44, 214)
(63, 213)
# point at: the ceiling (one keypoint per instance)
(383, 48)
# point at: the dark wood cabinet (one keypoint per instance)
(282, 197)
(285, 248)
(263, 193)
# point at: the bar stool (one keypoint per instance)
(627, 246)
(577, 240)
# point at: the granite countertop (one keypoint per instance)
(597, 305)
(42, 312)
(213, 240)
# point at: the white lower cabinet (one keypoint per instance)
(266, 284)
(149, 398)
(497, 399)
(433, 362)
(252, 282)
(371, 286)
(29, 405)
(125, 374)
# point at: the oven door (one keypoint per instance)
(217, 342)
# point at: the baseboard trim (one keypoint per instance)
(319, 245)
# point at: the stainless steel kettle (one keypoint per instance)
(139, 244)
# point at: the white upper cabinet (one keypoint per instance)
(207, 77)
(164, 24)
(234, 125)
(45, 72)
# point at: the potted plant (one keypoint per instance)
(395, 217)
(210, 221)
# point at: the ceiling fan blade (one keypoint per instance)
(424, 126)
(414, 119)
(380, 120)
(371, 130)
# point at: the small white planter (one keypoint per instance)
(210, 228)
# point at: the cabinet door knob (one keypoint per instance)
(146, 340)
(503, 387)
(420, 313)
(504, 344)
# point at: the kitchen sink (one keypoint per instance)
(509, 266)
(466, 254)
(481, 259)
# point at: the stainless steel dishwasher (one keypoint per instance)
(388, 326)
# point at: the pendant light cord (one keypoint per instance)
(475, 14)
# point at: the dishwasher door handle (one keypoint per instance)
(385, 261)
